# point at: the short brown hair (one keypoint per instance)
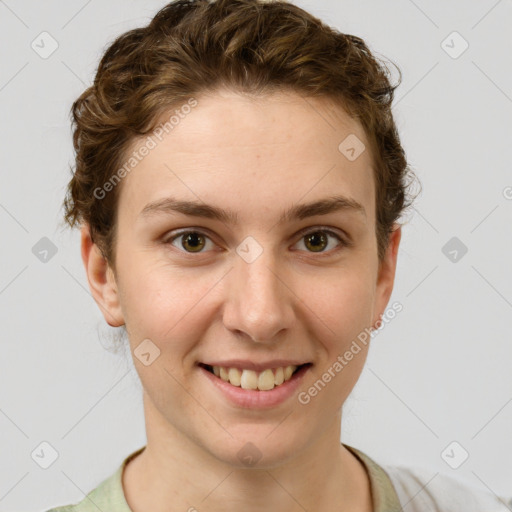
(251, 46)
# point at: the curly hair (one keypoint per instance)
(251, 46)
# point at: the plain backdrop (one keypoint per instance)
(438, 378)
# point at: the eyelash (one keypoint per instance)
(343, 241)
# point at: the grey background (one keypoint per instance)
(438, 373)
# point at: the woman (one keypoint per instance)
(239, 178)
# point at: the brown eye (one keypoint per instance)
(191, 241)
(315, 241)
(318, 240)
(194, 241)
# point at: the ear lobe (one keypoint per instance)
(101, 280)
(386, 275)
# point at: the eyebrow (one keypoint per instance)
(325, 206)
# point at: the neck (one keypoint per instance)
(176, 470)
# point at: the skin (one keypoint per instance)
(256, 156)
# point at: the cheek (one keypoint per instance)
(344, 307)
(164, 304)
(341, 302)
(340, 310)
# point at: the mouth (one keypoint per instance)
(258, 381)
(248, 389)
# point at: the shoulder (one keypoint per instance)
(74, 507)
(423, 490)
(107, 496)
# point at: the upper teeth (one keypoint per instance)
(249, 379)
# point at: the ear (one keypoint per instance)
(386, 275)
(101, 280)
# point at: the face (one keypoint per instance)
(257, 285)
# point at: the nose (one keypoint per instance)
(260, 300)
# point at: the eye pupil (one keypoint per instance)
(194, 237)
(315, 239)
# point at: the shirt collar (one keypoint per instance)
(110, 493)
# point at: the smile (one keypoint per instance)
(253, 397)
(249, 379)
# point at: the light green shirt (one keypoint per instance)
(109, 495)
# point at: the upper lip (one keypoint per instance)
(242, 364)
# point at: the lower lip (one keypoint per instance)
(255, 399)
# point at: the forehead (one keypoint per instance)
(252, 151)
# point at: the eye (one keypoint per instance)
(316, 240)
(193, 240)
